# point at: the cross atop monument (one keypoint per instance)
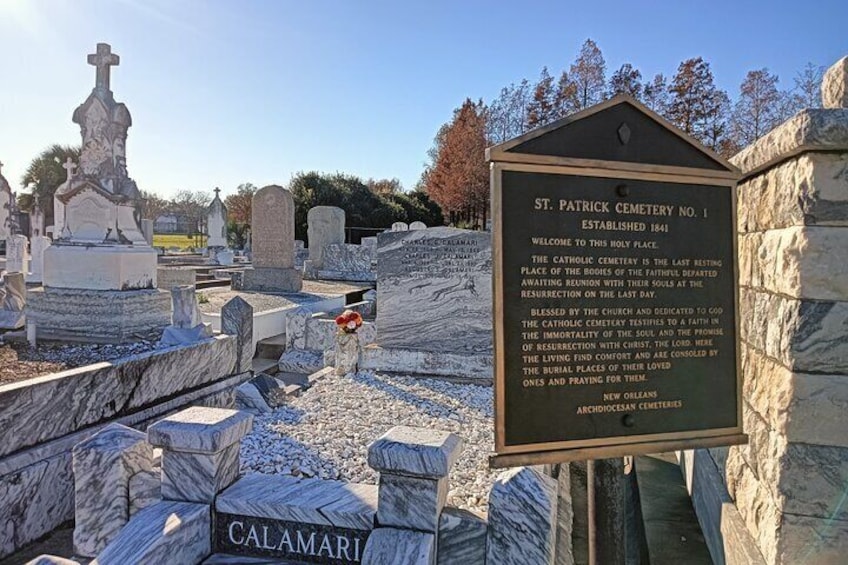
(217, 191)
(103, 59)
(69, 166)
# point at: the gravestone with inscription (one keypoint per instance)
(272, 241)
(434, 290)
(617, 322)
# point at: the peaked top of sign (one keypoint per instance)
(619, 133)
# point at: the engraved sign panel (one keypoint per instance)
(617, 315)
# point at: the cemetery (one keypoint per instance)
(580, 377)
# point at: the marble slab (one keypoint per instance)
(103, 466)
(312, 501)
(346, 257)
(390, 546)
(166, 533)
(522, 518)
(411, 503)
(237, 320)
(462, 537)
(96, 393)
(434, 290)
(198, 477)
(200, 430)
(415, 452)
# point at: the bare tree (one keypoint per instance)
(589, 75)
(655, 94)
(626, 80)
(540, 111)
(808, 85)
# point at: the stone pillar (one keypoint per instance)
(788, 484)
(13, 301)
(326, 225)
(103, 466)
(237, 320)
(36, 268)
(522, 518)
(16, 254)
(346, 353)
(414, 464)
(187, 325)
(200, 451)
(147, 231)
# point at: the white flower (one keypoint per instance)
(351, 325)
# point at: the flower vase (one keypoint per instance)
(347, 353)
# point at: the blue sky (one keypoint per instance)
(224, 92)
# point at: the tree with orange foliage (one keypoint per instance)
(458, 178)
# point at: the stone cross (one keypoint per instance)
(69, 166)
(217, 192)
(103, 59)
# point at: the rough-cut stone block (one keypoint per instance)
(267, 279)
(198, 477)
(145, 489)
(389, 546)
(809, 338)
(799, 262)
(802, 407)
(811, 189)
(415, 452)
(440, 301)
(462, 538)
(312, 501)
(237, 320)
(51, 560)
(808, 130)
(835, 85)
(103, 466)
(522, 518)
(411, 502)
(168, 532)
(200, 430)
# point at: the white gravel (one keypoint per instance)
(325, 432)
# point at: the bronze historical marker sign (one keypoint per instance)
(615, 290)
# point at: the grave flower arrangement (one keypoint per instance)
(348, 322)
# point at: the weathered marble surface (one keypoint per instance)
(216, 222)
(472, 367)
(145, 489)
(187, 325)
(99, 316)
(808, 130)
(346, 357)
(198, 477)
(36, 267)
(147, 231)
(169, 277)
(835, 85)
(51, 560)
(272, 227)
(411, 502)
(348, 258)
(168, 533)
(325, 226)
(248, 398)
(522, 518)
(390, 546)
(268, 279)
(462, 538)
(103, 466)
(200, 430)
(313, 501)
(417, 226)
(237, 321)
(89, 395)
(296, 327)
(301, 361)
(35, 500)
(13, 298)
(434, 290)
(415, 452)
(16, 254)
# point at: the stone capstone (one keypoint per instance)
(200, 430)
(415, 452)
(835, 85)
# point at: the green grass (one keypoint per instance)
(167, 240)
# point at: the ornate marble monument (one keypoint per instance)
(100, 260)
